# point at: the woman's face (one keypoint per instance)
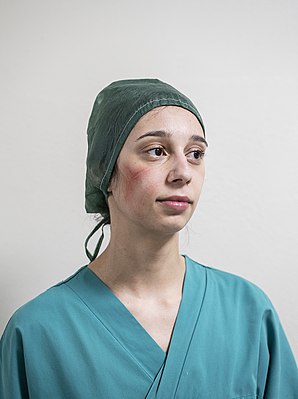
(160, 172)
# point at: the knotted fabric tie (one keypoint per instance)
(101, 225)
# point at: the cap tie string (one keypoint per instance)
(93, 255)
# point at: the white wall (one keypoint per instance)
(238, 61)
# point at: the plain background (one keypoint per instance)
(237, 60)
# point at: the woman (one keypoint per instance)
(142, 321)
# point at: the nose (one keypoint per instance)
(180, 172)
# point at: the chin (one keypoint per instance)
(170, 227)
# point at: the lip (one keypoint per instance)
(176, 202)
(176, 198)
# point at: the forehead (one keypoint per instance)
(168, 118)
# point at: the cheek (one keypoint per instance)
(137, 183)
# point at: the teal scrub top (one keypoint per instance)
(78, 341)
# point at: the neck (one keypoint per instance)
(141, 263)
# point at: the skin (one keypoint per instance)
(161, 158)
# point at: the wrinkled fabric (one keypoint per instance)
(116, 110)
(77, 340)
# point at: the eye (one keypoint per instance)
(196, 155)
(156, 152)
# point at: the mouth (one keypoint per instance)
(176, 198)
(176, 202)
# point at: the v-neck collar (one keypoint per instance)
(118, 321)
(124, 327)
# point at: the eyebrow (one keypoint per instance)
(162, 133)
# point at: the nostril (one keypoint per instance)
(181, 180)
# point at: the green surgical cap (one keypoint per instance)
(116, 110)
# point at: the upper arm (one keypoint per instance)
(277, 374)
(12, 365)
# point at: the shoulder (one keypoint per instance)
(47, 307)
(231, 288)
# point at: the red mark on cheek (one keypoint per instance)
(135, 181)
(135, 172)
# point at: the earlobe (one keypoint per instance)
(110, 188)
(112, 181)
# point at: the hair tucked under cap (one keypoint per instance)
(116, 110)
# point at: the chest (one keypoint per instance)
(157, 317)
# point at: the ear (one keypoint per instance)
(110, 186)
(112, 181)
